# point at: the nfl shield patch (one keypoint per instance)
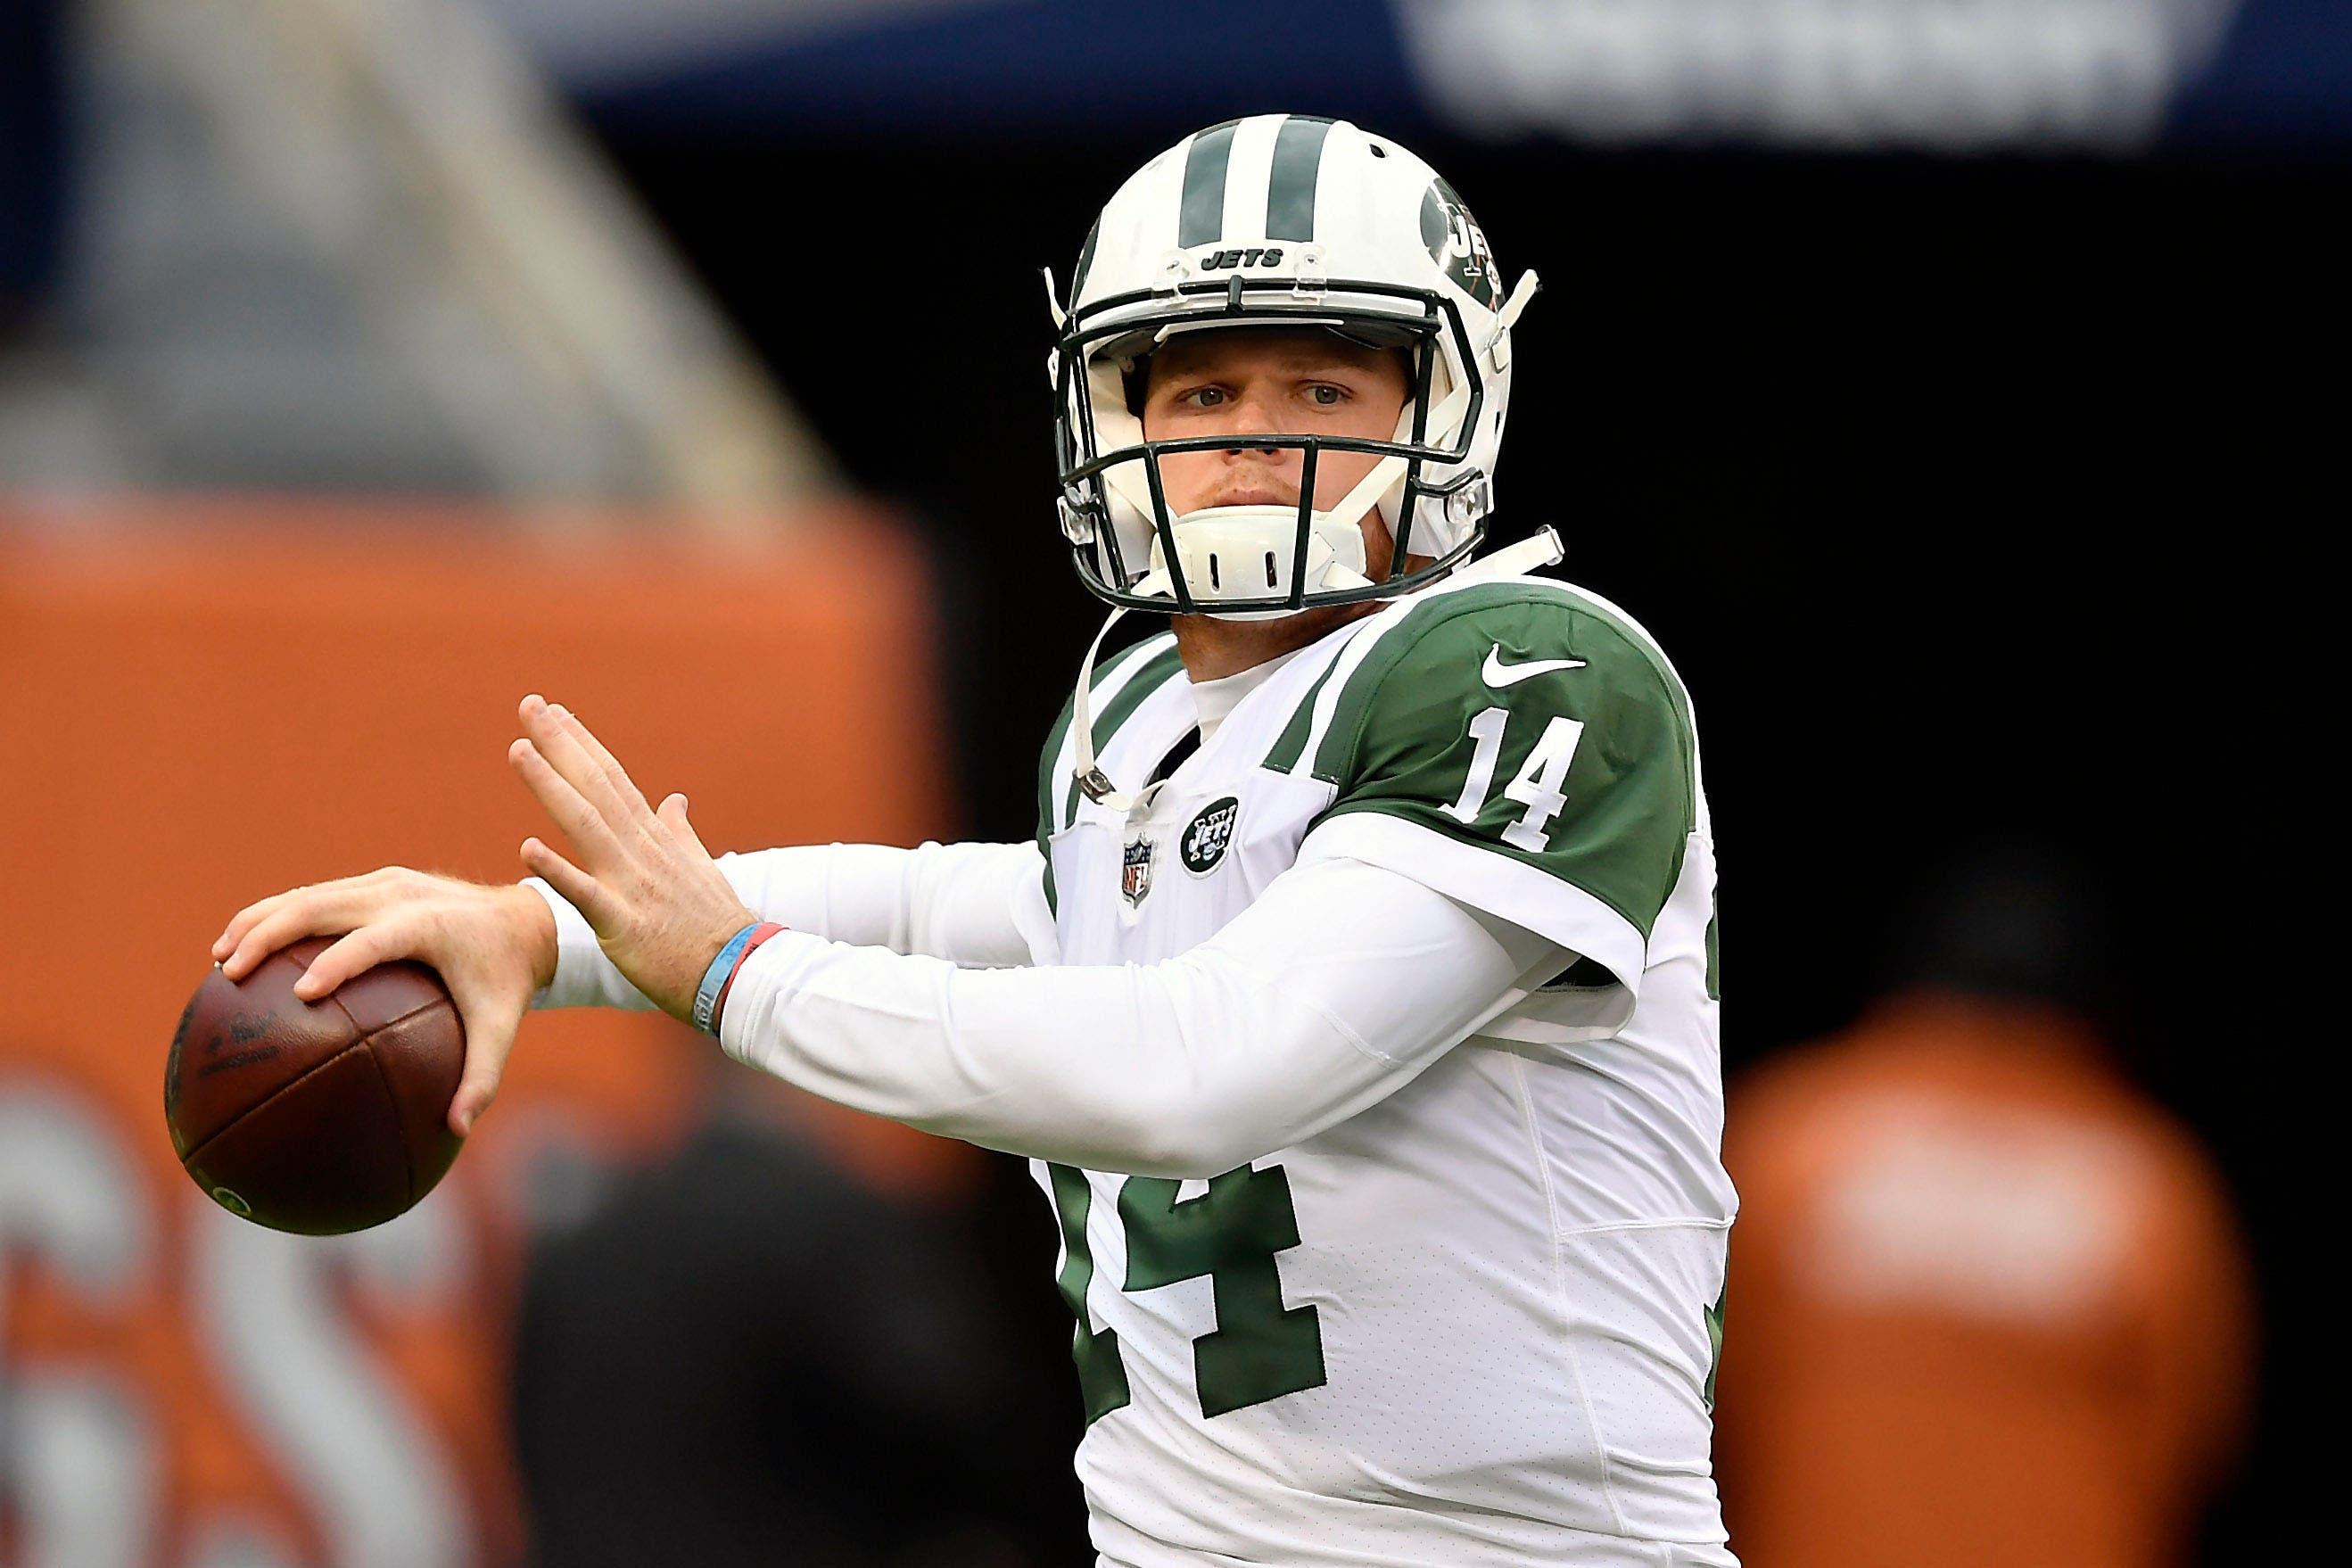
(1135, 871)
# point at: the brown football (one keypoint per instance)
(318, 1118)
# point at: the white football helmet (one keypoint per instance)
(1281, 220)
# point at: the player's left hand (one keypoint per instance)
(659, 906)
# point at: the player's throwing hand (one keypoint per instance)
(656, 899)
(658, 904)
(493, 947)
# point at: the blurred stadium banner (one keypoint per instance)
(203, 702)
(1865, 74)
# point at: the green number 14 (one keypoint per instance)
(1260, 1350)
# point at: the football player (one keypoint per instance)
(1356, 1001)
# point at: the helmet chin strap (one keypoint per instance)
(1092, 780)
(1540, 550)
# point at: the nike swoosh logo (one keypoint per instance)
(1497, 673)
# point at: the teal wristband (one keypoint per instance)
(715, 978)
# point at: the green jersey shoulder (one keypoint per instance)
(1521, 719)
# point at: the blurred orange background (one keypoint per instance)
(204, 702)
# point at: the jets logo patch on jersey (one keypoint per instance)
(1207, 836)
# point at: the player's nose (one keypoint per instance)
(1262, 466)
(1252, 413)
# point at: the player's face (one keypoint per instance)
(1245, 381)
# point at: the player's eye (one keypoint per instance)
(1204, 398)
(1326, 395)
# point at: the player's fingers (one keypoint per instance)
(354, 954)
(329, 909)
(583, 821)
(622, 783)
(242, 923)
(492, 1014)
(491, 1024)
(245, 920)
(557, 742)
(580, 889)
(673, 813)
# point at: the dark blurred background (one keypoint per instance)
(1948, 387)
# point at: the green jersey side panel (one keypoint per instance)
(1518, 720)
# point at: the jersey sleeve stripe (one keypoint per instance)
(1485, 880)
(1380, 628)
(1341, 716)
(1336, 681)
(1291, 744)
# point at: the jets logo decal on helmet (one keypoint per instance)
(1458, 244)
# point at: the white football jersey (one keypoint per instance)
(1477, 1324)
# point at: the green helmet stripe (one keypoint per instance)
(1290, 190)
(1203, 220)
(1085, 261)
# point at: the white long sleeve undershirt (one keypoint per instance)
(981, 905)
(1342, 983)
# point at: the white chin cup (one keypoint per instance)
(1245, 553)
